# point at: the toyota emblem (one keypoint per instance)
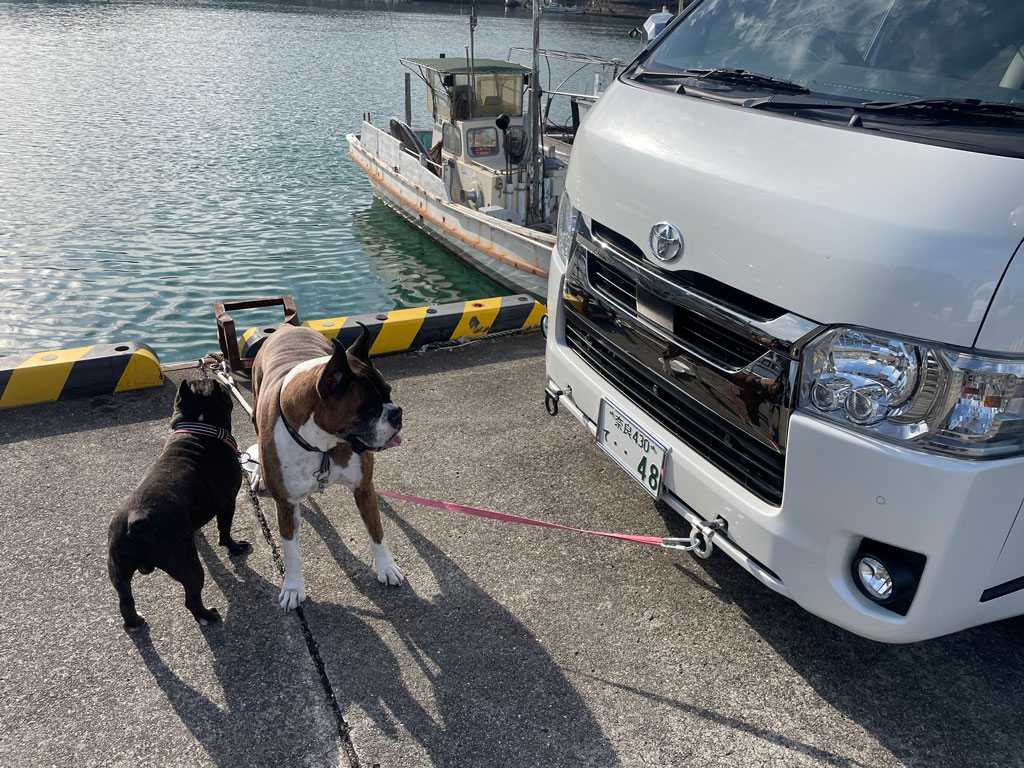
(666, 242)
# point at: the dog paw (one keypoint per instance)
(388, 573)
(236, 546)
(132, 625)
(291, 595)
(208, 616)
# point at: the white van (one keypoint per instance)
(785, 298)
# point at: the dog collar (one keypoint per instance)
(206, 430)
(325, 458)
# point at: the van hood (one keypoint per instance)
(836, 224)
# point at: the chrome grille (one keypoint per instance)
(623, 244)
(716, 342)
(712, 341)
(611, 283)
(716, 369)
(740, 456)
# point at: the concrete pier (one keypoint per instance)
(507, 646)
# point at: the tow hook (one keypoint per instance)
(551, 398)
(702, 535)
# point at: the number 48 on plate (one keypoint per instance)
(632, 447)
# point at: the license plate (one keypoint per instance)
(635, 450)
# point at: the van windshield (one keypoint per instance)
(862, 50)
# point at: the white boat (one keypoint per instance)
(654, 25)
(476, 182)
(473, 188)
(571, 10)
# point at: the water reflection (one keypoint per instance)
(157, 157)
(416, 270)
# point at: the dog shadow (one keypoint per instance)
(260, 722)
(498, 696)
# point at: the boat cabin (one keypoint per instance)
(481, 136)
(465, 102)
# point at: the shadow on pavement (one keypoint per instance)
(823, 756)
(952, 701)
(264, 720)
(84, 414)
(500, 698)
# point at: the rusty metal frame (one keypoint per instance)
(226, 334)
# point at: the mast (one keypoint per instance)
(536, 172)
(472, 58)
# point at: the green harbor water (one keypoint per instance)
(156, 157)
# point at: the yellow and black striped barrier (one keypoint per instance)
(404, 329)
(101, 369)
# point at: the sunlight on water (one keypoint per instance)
(157, 157)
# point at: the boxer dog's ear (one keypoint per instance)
(336, 374)
(360, 348)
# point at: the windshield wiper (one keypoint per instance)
(697, 77)
(975, 108)
(743, 77)
(942, 111)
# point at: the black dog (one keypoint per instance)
(195, 479)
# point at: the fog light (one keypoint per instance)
(875, 578)
(888, 576)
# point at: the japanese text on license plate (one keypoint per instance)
(637, 452)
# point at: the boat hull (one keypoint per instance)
(512, 256)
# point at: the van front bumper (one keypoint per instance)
(840, 488)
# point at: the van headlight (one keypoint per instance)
(567, 227)
(938, 398)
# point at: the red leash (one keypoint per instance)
(653, 541)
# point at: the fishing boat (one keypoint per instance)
(472, 186)
(485, 180)
(571, 10)
(654, 25)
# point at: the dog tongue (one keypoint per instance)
(395, 441)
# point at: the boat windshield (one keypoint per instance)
(863, 50)
(496, 94)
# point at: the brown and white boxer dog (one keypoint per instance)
(321, 412)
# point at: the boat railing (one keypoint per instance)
(387, 150)
(436, 168)
(575, 64)
(573, 82)
(573, 95)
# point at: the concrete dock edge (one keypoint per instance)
(404, 329)
(99, 369)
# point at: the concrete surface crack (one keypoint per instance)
(344, 731)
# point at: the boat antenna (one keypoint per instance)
(472, 56)
(536, 173)
(394, 35)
